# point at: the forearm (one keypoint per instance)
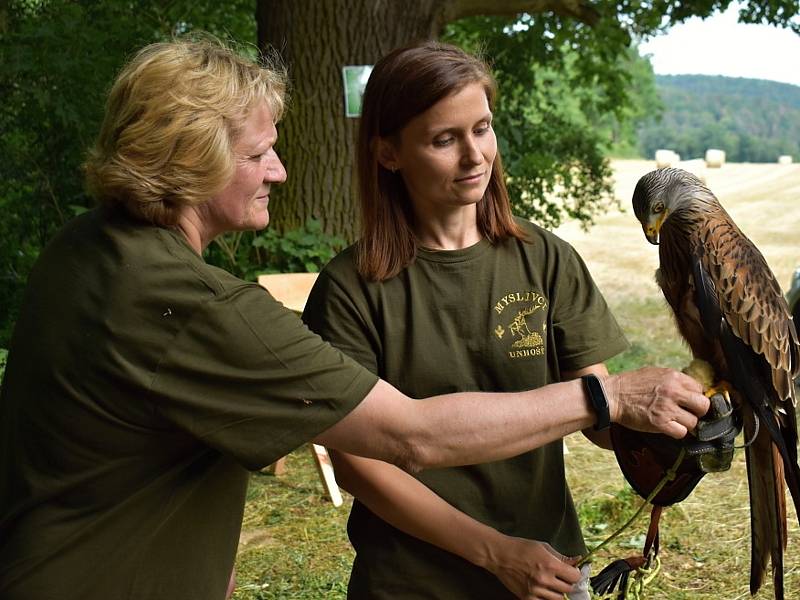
(509, 424)
(458, 429)
(599, 438)
(410, 506)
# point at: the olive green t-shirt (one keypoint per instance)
(496, 318)
(141, 385)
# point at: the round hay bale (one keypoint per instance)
(785, 159)
(665, 158)
(697, 167)
(715, 158)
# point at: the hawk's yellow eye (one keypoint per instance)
(658, 207)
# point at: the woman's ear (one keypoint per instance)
(386, 154)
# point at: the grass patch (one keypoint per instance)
(705, 540)
(650, 329)
(293, 544)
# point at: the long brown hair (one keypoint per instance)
(403, 84)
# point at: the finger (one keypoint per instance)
(543, 593)
(561, 586)
(687, 419)
(554, 552)
(568, 574)
(564, 568)
(674, 430)
(696, 403)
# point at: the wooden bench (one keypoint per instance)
(292, 290)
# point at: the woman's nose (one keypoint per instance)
(471, 153)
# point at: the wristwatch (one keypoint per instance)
(598, 400)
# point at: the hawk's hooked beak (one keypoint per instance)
(653, 227)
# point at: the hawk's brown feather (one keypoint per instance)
(696, 235)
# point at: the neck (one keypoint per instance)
(452, 230)
(190, 224)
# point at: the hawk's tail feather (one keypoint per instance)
(768, 529)
(746, 380)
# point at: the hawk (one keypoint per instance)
(730, 310)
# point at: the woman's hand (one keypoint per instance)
(656, 400)
(532, 570)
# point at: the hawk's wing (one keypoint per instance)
(740, 305)
(752, 303)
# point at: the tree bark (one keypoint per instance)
(316, 38)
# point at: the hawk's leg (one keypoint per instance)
(713, 437)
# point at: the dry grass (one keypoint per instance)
(294, 544)
(763, 199)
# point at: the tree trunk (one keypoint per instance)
(316, 38)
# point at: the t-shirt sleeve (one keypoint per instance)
(338, 311)
(585, 330)
(247, 377)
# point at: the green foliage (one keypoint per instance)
(751, 119)
(549, 94)
(3, 357)
(57, 59)
(620, 134)
(306, 249)
(573, 91)
(247, 254)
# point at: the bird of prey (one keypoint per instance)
(730, 310)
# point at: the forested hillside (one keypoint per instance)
(753, 120)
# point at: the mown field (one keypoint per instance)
(294, 545)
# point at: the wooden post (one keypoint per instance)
(326, 474)
(277, 468)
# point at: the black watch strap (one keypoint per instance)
(598, 400)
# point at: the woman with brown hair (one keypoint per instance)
(447, 291)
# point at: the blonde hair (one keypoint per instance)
(172, 117)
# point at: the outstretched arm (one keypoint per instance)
(475, 427)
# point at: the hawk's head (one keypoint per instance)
(662, 193)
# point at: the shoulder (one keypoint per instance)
(342, 270)
(536, 236)
(158, 261)
(343, 264)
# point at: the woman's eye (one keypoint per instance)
(261, 155)
(482, 129)
(442, 142)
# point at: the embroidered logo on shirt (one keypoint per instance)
(527, 324)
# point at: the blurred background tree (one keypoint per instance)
(57, 60)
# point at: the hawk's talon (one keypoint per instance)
(720, 387)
